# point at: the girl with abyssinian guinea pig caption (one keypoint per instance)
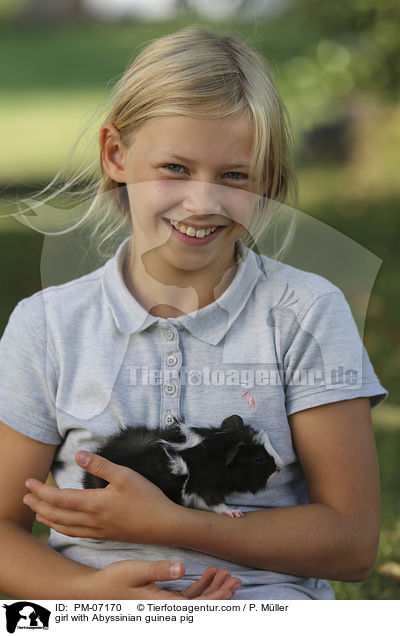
(186, 326)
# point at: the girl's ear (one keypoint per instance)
(112, 153)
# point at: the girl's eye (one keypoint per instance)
(174, 167)
(236, 175)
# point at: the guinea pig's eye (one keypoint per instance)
(259, 459)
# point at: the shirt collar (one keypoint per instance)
(209, 324)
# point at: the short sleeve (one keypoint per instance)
(326, 360)
(27, 377)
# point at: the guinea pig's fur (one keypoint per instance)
(196, 467)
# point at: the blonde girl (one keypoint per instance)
(187, 320)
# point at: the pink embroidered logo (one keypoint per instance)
(250, 400)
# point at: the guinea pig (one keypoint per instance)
(195, 467)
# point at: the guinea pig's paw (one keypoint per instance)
(235, 514)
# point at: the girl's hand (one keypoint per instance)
(136, 580)
(130, 508)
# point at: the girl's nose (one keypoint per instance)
(202, 197)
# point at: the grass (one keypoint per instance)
(386, 421)
(46, 122)
(91, 53)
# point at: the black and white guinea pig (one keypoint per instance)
(195, 467)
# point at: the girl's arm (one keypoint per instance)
(30, 569)
(334, 536)
(28, 566)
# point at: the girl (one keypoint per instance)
(187, 321)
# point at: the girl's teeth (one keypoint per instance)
(190, 231)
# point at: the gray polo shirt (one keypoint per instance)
(82, 360)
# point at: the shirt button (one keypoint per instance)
(170, 334)
(170, 389)
(169, 419)
(172, 360)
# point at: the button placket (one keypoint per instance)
(171, 366)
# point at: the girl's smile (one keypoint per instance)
(194, 234)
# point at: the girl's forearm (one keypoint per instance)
(313, 540)
(30, 569)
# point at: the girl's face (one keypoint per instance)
(188, 188)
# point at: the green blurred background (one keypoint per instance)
(338, 69)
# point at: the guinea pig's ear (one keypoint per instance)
(234, 422)
(232, 452)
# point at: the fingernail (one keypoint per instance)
(175, 570)
(28, 483)
(83, 458)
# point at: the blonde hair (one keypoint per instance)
(199, 73)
